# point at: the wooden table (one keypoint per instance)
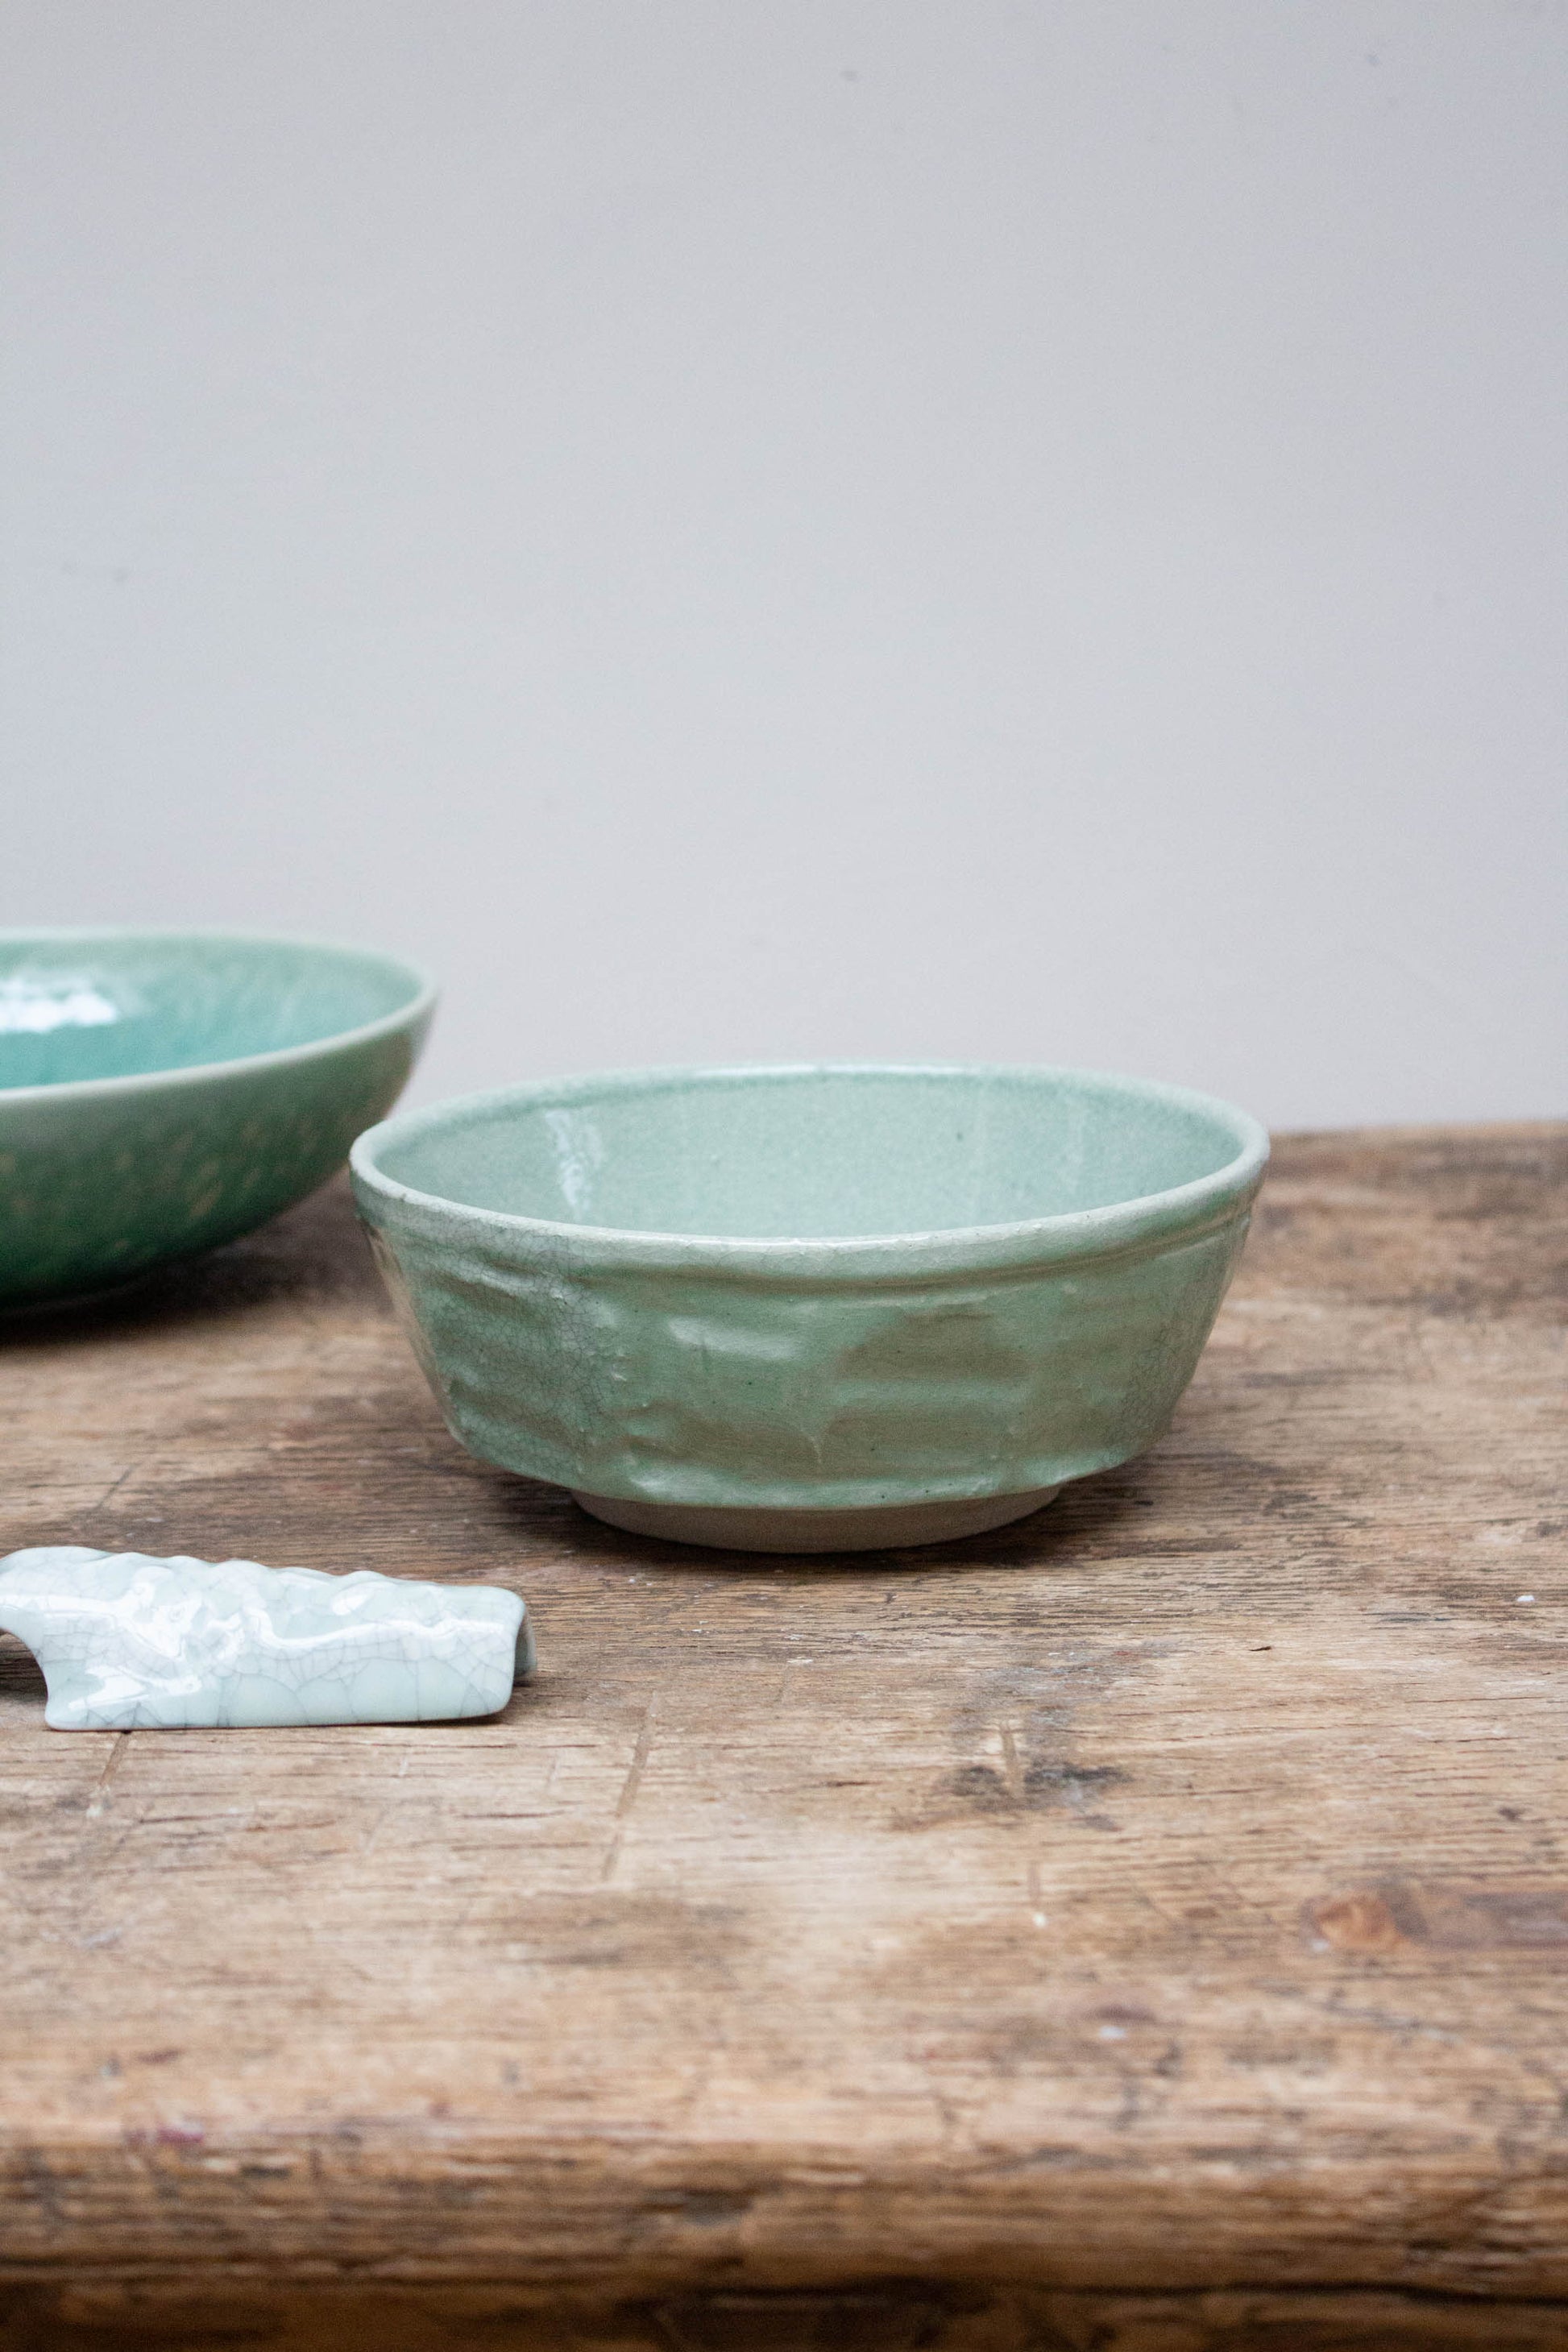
(1144, 1929)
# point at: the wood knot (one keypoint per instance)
(1359, 1922)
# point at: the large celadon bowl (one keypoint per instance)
(163, 1091)
(817, 1308)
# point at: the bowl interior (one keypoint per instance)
(827, 1154)
(114, 1006)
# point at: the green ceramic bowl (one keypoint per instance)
(811, 1309)
(163, 1091)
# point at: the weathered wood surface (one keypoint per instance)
(1144, 1928)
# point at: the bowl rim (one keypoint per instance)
(1143, 1224)
(418, 1006)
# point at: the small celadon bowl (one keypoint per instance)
(812, 1309)
(163, 1091)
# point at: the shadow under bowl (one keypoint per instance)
(164, 1091)
(811, 1309)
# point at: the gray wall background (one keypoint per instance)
(732, 530)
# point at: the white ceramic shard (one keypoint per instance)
(128, 1642)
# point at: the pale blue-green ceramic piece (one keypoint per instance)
(817, 1308)
(128, 1642)
(161, 1092)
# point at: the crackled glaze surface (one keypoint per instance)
(989, 1352)
(164, 1092)
(130, 1643)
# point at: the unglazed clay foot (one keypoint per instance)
(891, 1528)
(128, 1642)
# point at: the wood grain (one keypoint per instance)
(1146, 1928)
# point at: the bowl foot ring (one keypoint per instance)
(883, 1527)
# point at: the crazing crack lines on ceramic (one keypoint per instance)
(130, 1643)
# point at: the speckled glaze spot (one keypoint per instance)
(130, 1643)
